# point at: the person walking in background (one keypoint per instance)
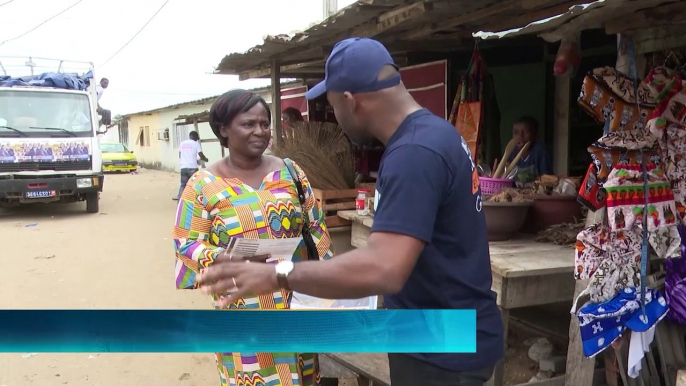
(289, 117)
(248, 195)
(189, 151)
(428, 247)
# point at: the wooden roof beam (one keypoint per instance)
(462, 19)
(524, 20)
(382, 23)
(266, 72)
(391, 19)
(665, 15)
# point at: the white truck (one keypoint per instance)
(49, 150)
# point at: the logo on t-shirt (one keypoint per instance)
(475, 175)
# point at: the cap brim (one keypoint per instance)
(316, 91)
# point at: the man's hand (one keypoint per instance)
(242, 276)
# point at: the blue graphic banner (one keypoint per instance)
(363, 331)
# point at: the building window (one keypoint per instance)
(180, 134)
(143, 138)
(124, 133)
(147, 135)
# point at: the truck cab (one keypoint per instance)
(49, 150)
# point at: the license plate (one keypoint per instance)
(120, 163)
(41, 194)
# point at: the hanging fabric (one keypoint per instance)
(631, 176)
(675, 283)
(467, 111)
(646, 188)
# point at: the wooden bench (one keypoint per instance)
(525, 273)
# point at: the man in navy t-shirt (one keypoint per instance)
(428, 248)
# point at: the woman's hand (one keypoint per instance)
(241, 276)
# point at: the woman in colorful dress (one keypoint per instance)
(247, 195)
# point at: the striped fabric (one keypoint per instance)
(212, 210)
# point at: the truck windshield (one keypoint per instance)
(35, 113)
(113, 148)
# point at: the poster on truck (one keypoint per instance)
(36, 150)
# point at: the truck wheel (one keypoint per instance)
(92, 203)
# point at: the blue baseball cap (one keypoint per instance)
(354, 66)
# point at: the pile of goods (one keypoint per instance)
(557, 216)
(508, 195)
(549, 194)
(554, 185)
(639, 175)
(561, 234)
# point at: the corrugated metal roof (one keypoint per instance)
(402, 25)
(190, 117)
(578, 18)
(203, 101)
(174, 106)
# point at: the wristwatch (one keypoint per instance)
(284, 268)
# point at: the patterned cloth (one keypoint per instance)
(638, 170)
(591, 194)
(212, 210)
(626, 198)
(603, 323)
(675, 283)
(607, 94)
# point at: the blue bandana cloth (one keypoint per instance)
(601, 324)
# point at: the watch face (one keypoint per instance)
(284, 268)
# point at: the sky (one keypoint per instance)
(169, 62)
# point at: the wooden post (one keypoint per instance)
(623, 59)
(330, 7)
(276, 99)
(561, 126)
(580, 370)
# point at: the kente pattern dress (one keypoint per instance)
(212, 210)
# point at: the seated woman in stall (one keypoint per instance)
(535, 161)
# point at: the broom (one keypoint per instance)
(324, 153)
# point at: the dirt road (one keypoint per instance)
(120, 258)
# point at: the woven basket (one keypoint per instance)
(491, 186)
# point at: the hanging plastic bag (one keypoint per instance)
(568, 57)
(566, 187)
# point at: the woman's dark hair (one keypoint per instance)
(531, 122)
(294, 113)
(229, 105)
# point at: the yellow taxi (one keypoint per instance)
(117, 158)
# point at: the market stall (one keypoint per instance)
(521, 276)
(629, 262)
(532, 262)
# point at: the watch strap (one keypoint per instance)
(282, 280)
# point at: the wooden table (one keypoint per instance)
(525, 273)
